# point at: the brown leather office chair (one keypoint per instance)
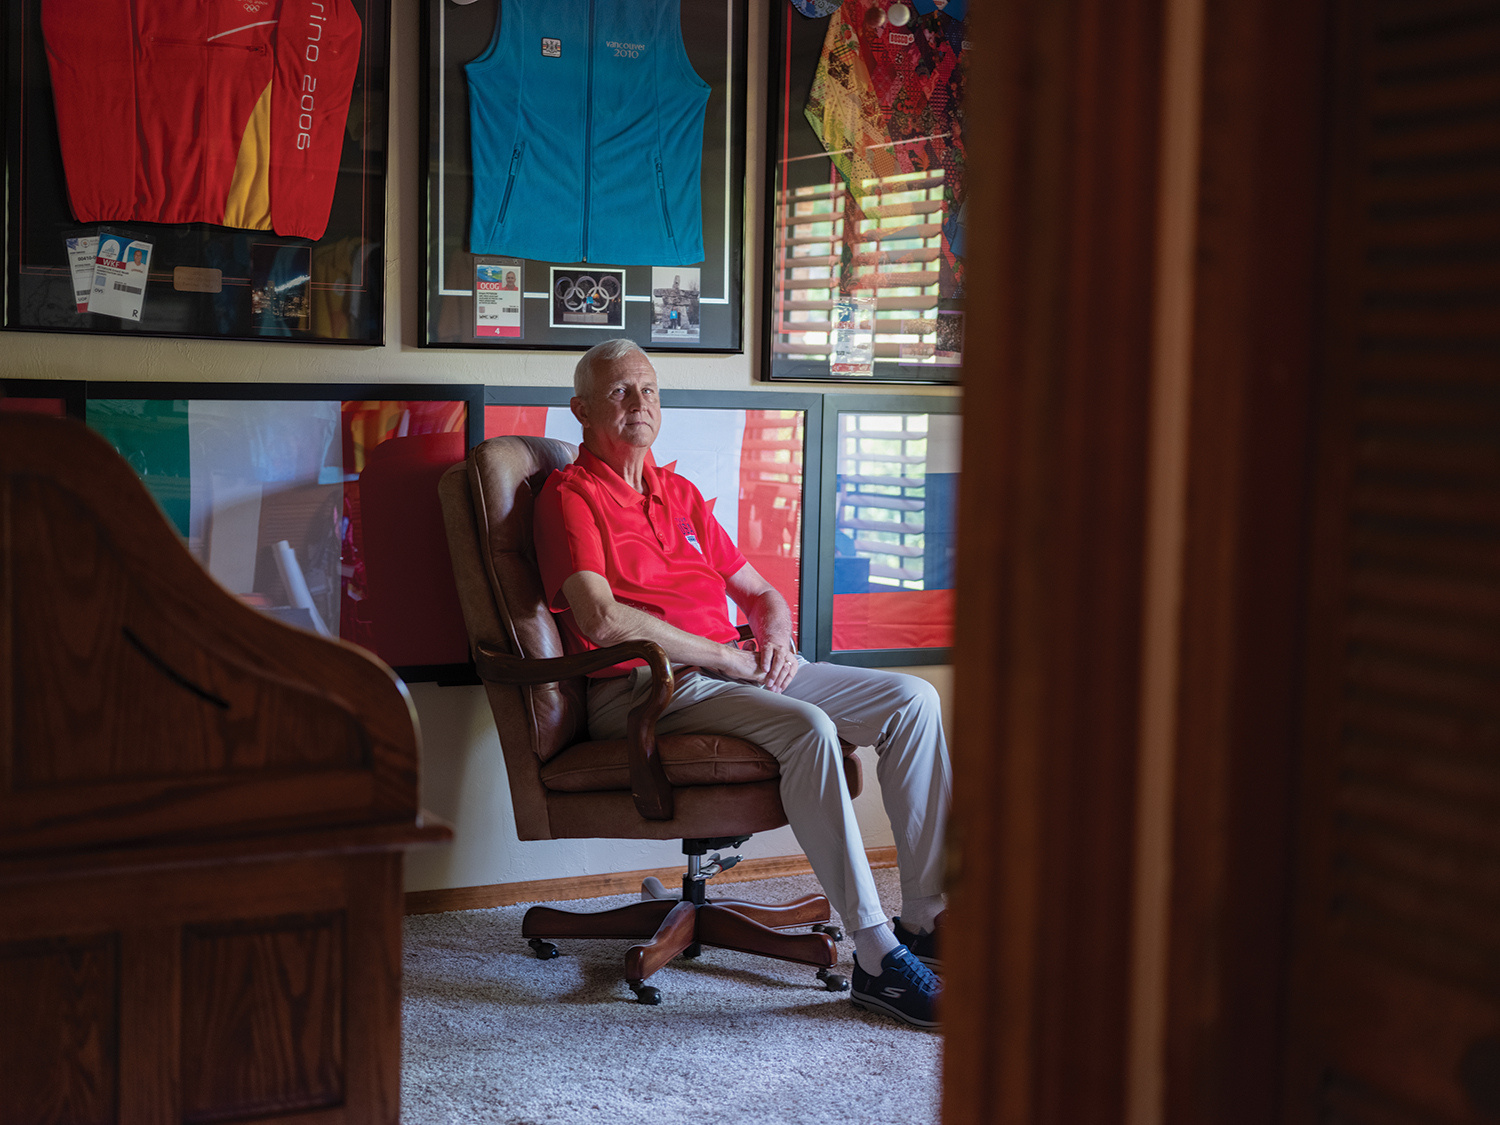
(709, 790)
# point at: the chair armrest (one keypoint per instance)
(504, 668)
(648, 779)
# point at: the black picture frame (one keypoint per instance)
(69, 394)
(715, 34)
(810, 599)
(458, 668)
(205, 281)
(924, 272)
(937, 554)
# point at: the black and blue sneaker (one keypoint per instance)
(905, 989)
(923, 946)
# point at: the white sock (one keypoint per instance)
(918, 914)
(871, 944)
(651, 888)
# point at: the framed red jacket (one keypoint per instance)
(181, 111)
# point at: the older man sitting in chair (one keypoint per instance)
(629, 551)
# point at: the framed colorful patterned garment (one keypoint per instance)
(867, 192)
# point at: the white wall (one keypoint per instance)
(462, 774)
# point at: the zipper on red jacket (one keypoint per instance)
(588, 136)
(253, 48)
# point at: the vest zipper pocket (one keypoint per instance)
(661, 192)
(510, 183)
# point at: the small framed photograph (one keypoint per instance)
(280, 277)
(674, 304)
(588, 298)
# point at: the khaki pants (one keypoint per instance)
(895, 713)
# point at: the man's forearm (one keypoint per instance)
(770, 618)
(621, 622)
(771, 621)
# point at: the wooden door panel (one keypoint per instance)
(1400, 1037)
(1395, 995)
(263, 1017)
(59, 1032)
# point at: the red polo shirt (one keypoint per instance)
(662, 552)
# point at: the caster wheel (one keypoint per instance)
(833, 982)
(693, 951)
(646, 994)
(830, 929)
(544, 950)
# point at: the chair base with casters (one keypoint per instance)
(683, 926)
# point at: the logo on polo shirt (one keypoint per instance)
(687, 533)
(552, 48)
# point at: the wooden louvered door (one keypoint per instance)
(1394, 1001)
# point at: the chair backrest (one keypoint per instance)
(487, 507)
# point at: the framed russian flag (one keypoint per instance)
(890, 500)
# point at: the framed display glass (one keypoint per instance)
(754, 457)
(56, 398)
(204, 170)
(315, 503)
(890, 504)
(585, 173)
(866, 192)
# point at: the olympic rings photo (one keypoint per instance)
(588, 298)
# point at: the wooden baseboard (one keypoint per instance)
(618, 883)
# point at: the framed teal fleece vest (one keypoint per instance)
(586, 135)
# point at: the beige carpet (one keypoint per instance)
(494, 1035)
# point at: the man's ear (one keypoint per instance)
(580, 410)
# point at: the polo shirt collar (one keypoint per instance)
(614, 484)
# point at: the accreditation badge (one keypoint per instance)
(852, 338)
(121, 267)
(497, 298)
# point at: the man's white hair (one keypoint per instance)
(597, 356)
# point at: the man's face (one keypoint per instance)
(621, 410)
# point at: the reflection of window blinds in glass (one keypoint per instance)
(892, 256)
(882, 495)
(771, 499)
(772, 456)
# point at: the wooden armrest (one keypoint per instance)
(648, 779)
(504, 668)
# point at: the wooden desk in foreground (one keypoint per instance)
(202, 820)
